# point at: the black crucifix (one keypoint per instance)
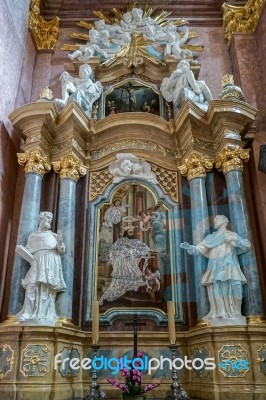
(135, 332)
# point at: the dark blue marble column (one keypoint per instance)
(239, 218)
(28, 223)
(70, 171)
(195, 168)
(66, 222)
(200, 228)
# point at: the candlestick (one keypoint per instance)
(95, 391)
(176, 391)
(171, 321)
(95, 322)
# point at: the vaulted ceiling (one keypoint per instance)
(198, 12)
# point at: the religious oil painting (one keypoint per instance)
(133, 250)
(132, 96)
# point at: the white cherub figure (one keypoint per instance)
(128, 165)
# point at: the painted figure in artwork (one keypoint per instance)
(114, 213)
(224, 279)
(125, 256)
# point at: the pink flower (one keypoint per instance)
(133, 380)
(150, 386)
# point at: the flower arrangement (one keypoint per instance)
(132, 385)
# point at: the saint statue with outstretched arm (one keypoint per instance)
(224, 279)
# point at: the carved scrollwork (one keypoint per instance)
(233, 361)
(232, 158)
(35, 360)
(34, 161)
(69, 168)
(195, 166)
(241, 19)
(6, 360)
(45, 32)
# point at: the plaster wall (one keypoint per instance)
(248, 56)
(17, 55)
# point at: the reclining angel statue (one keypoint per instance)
(83, 89)
(182, 85)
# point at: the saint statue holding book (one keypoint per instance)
(44, 278)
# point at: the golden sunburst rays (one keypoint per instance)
(85, 24)
(193, 47)
(136, 50)
(134, 53)
(102, 15)
(81, 36)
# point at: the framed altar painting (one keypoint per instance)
(134, 262)
(133, 250)
(132, 96)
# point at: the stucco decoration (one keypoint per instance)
(130, 166)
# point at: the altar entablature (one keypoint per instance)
(224, 123)
(165, 143)
(35, 123)
(145, 70)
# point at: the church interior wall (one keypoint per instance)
(15, 82)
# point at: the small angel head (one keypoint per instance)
(137, 169)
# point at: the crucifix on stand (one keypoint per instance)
(135, 332)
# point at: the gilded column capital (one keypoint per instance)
(45, 32)
(243, 18)
(231, 158)
(34, 161)
(69, 168)
(195, 166)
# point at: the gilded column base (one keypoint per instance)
(256, 319)
(10, 320)
(68, 322)
(201, 323)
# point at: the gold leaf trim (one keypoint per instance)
(241, 19)
(69, 168)
(34, 161)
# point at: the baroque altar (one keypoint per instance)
(134, 160)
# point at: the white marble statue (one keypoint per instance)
(82, 89)
(182, 85)
(44, 278)
(149, 32)
(127, 22)
(68, 87)
(174, 42)
(130, 166)
(223, 278)
(138, 18)
(90, 49)
(117, 35)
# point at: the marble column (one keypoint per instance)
(195, 168)
(231, 163)
(36, 165)
(70, 170)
